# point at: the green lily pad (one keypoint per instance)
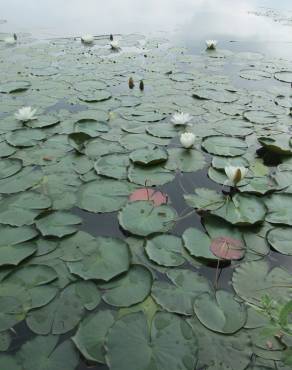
(280, 239)
(113, 166)
(65, 311)
(168, 345)
(91, 334)
(9, 167)
(224, 146)
(148, 157)
(150, 176)
(47, 354)
(22, 180)
(184, 160)
(260, 117)
(242, 210)
(129, 289)
(252, 280)
(103, 259)
(58, 224)
(165, 250)
(25, 137)
(96, 197)
(21, 209)
(279, 209)
(221, 352)
(198, 244)
(205, 199)
(143, 218)
(9, 87)
(179, 295)
(220, 312)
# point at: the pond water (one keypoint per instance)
(91, 278)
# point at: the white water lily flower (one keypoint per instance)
(187, 139)
(235, 174)
(10, 40)
(25, 114)
(114, 44)
(181, 118)
(211, 44)
(87, 39)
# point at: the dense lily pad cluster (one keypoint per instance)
(95, 148)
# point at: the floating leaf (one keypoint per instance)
(65, 311)
(220, 312)
(58, 224)
(224, 145)
(165, 250)
(91, 334)
(157, 197)
(227, 248)
(179, 295)
(143, 218)
(148, 157)
(166, 346)
(47, 355)
(205, 199)
(104, 259)
(129, 289)
(242, 210)
(103, 195)
(198, 244)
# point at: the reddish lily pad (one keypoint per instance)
(227, 248)
(157, 197)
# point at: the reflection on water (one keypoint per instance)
(196, 18)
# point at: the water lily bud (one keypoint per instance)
(187, 139)
(131, 83)
(87, 39)
(25, 114)
(141, 85)
(235, 174)
(211, 44)
(181, 118)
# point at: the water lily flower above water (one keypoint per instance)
(235, 174)
(25, 114)
(11, 40)
(181, 118)
(187, 139)
(114, 45)
(87, 39)
(211, 44)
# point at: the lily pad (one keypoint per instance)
(165, 250)
(179, 295)
(47, 354)
(198, 244)
(280, 239)
(103, 259)
(220, 312)
(148, 157)
(143, 218)
(242, 210)
(224, 146)
(205, 199)
(129, 289)
(184, 160)
(165, 345)
(58, 224)
(91, 334)
(96, 197)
